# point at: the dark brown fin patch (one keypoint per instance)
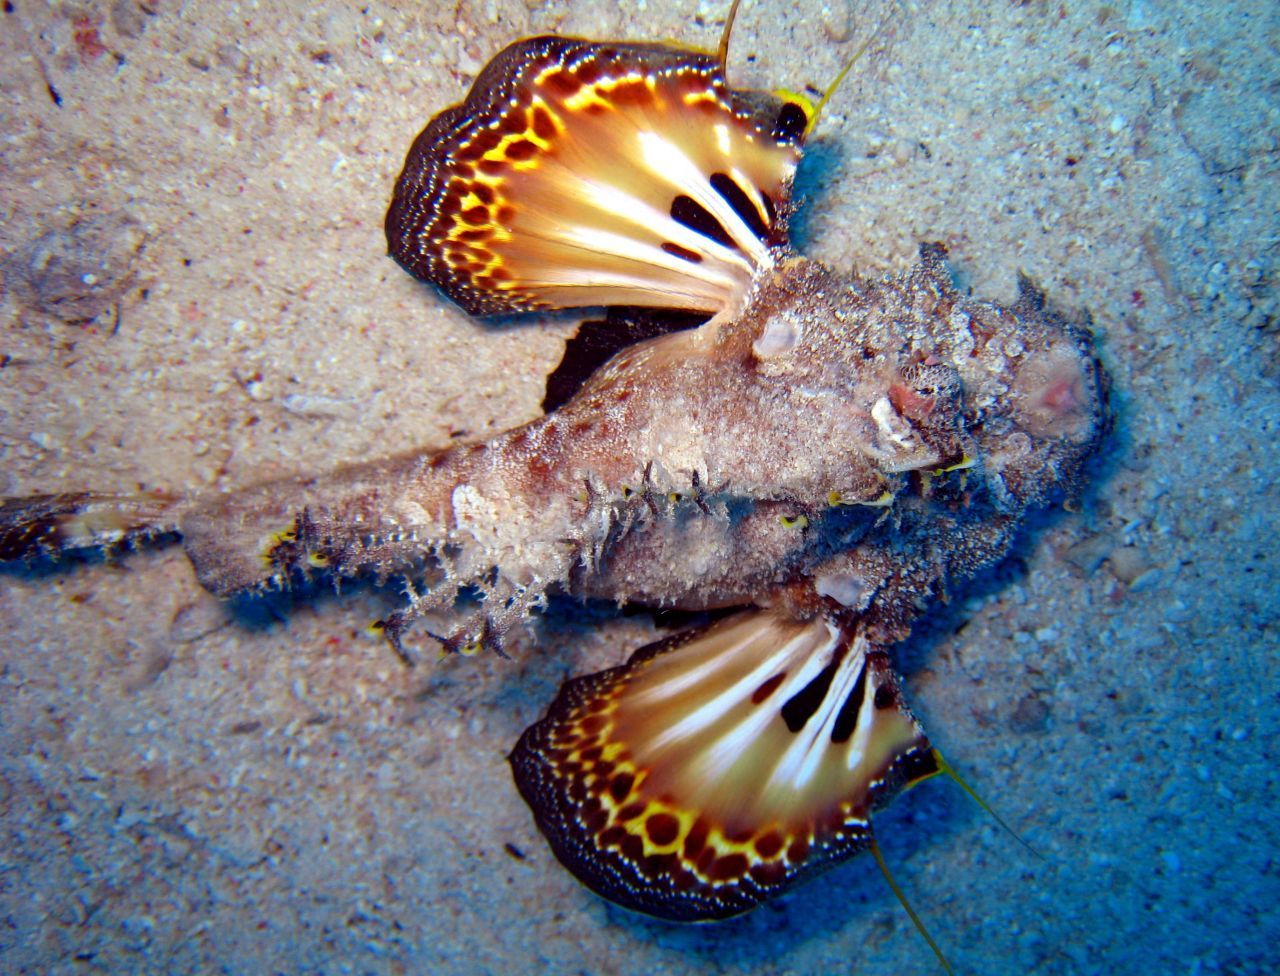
(741, 203)
(597, 342)
(689, 212)
(847, 720)
(801, 706)
(683, 253)
(790, 124)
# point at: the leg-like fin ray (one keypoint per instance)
(906, 905)
(947, 769)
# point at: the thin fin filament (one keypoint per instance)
(902, 900)
(816, 112)
(949, 770)
(722, 49)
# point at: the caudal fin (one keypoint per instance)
(51, 526)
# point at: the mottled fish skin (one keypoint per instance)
(586, 498)
(888, 444)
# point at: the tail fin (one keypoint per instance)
(51, 526)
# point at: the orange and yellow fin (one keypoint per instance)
(580, 174)
(720, 766)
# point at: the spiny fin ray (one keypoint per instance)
(906, 906)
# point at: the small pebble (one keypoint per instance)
(197, 619)
(1031, 715)
(129, 17)
(837, 20)
(1128, 563)
(77, 274)
(1148, 580)
(316, 405)
(1088, 554)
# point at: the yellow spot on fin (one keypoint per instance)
(274, 541)
(801, 101)
(883, 500)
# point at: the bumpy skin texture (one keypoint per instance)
(682, 473)
(817, 404)
(836, 453)
(744, 774)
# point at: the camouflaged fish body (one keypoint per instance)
(697, 470)
(822, 454)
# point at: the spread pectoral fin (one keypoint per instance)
(721, 765)
(578, 173)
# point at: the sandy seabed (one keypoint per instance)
(187, 790)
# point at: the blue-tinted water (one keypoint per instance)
(183, 791)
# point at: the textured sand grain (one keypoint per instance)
(186, 790)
